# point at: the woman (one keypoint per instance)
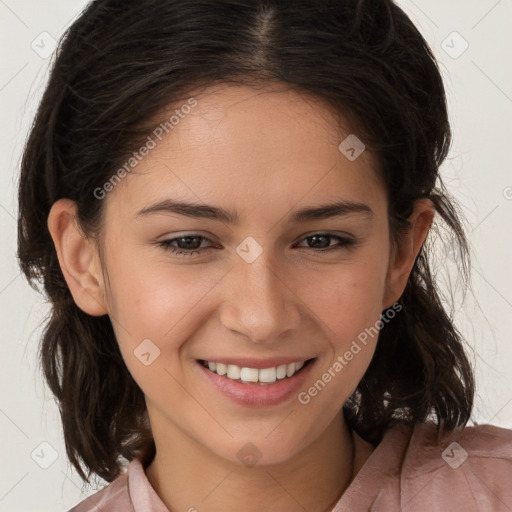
(228, 203)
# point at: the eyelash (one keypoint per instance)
(345, 243)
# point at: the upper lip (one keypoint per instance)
(247, 362)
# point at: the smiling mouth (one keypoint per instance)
(255, 375)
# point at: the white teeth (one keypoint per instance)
(265, 375)
(233, 371)
(281, 371)
(249, 374)
(222, 369)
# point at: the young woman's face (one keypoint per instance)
(254, 283)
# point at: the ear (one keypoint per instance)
(78, 258)
(404, 253)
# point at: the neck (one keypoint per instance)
(188, 477)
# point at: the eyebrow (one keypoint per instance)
(203, 211)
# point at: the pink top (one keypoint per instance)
(467, 470)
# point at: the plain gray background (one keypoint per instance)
(472, 41)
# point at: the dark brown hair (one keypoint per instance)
(117, 68)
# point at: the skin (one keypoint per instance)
(263, 155)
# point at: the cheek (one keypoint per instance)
(346, 299)
(153, 314)
(159, 303)
(349, 305)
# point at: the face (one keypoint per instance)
(256, 287)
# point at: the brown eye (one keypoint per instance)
(321, 242)
(188, 244)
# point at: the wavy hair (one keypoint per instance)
(119, 66)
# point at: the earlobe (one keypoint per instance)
(78, 258)
(406, 250)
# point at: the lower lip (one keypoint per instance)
(258, 394)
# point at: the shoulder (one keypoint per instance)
(114, 497)
(453, 448)
(488, 439)
(131, 491)
(469, 468)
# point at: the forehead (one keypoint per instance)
(249, 147)
(247, 123)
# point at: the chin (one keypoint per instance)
(258, 452)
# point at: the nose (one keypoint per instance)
(261, 303)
